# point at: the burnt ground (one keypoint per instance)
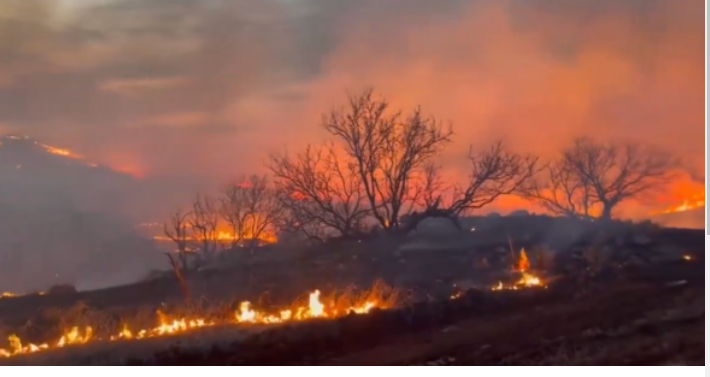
(652, 317)
(650, 313)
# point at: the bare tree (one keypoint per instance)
(177, 229)
(388, 149)
(617, 172)
(251, 209)
(561, 191)
(204, 222)
(233, 210)
(322, 192)
(493, 173)
(300, 222)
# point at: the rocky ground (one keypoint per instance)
(634, 298)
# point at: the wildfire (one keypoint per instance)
(687, 205)
(11, 294)
(527, 279)
(523, 261)
(245, 314)
(222, 236)
(59, 151)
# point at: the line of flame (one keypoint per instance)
(244, 315)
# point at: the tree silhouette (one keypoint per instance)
(591, 178)
(388, 150)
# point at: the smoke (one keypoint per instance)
(42, 247)
(197, 92)
(192, 87)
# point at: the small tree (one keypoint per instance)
(615, 172)
(561, 191)
(388, 151)
(299, 221)
(493, 173)
(250, 209)
(177, 230)
(321, 192)
(590, 178)
(204, 222)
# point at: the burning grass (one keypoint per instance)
(527, 278)
(12, 294)
(81, 325)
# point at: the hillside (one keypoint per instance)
(37, 175)
(66, 220)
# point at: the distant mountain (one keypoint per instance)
(34, 174)
(65, 219)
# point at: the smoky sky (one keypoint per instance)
(205, 89)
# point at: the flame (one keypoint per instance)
(59, 151)
(64, 153)
(245, 314)
(125, 169)
(266, 236)
(527, 280)
(687, 205)
(523, 261)
(12, 294)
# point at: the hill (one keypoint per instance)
(37, 175)
(66, 219)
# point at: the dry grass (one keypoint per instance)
(385, 295)
(119, 352)
(542, 259)
(597, 259)
(51, 323)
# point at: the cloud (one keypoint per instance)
(141, 86)
(231, 80)
(178, 119)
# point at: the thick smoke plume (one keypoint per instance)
(195, 93)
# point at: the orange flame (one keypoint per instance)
(527, 280)
(523, 262)
(245, 314)
(687, 205)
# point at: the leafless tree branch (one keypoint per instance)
(494, 172)
(177, 229)
(560, 191)
(615, 172)
(251, 209)
(204, 221)
(388, 150)
(321, 191)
